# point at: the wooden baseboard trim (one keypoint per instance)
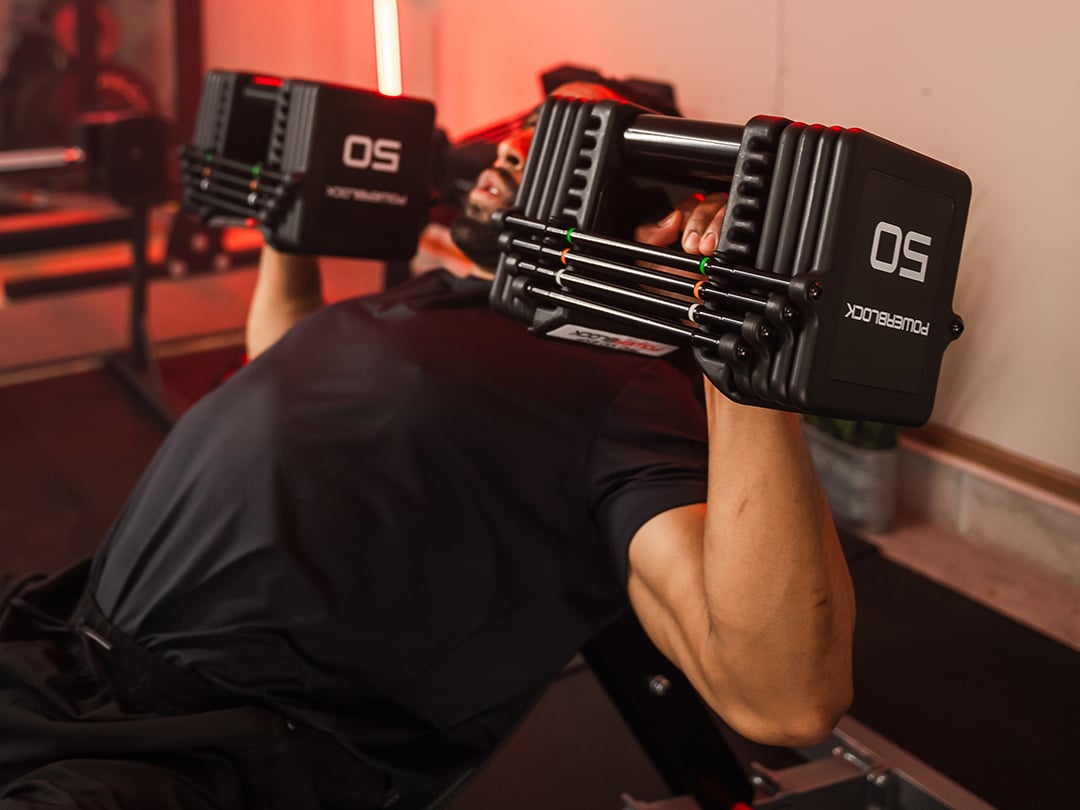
(1032, 473)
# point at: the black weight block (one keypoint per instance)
(319, 168)
(887, 258)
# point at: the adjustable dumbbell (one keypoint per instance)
(318, 168)
(830, 291)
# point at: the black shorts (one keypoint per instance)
(90, 719)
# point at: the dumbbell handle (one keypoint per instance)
(637, 251)
(685, 146)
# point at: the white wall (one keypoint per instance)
(991, 87)
(324, 40)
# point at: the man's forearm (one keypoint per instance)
(287, 288)
(777, 588)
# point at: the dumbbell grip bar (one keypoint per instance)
(221, 205)
(680, 309)
(237, 195)
(636, 251)
(220, 180)
(693, 337)
(190, 156)
(684, 146)
(703, 289)
(230, 187)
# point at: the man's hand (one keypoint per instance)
(697, 219)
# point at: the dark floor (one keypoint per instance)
(987, 702)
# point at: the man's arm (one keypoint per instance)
(287, 288)
(749, 594)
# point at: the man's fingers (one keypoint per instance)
(702, 231)
(662, 233)
(697, 219)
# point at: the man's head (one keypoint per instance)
(497, 186)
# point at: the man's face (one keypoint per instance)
(495, 188)
(497, 185)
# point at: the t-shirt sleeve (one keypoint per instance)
(649, 455)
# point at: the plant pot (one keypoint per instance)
(860, 483)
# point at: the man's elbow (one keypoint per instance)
(789, 723)
(810, 727)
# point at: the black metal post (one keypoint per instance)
(138, 368)
(86, 43)
(139, 340)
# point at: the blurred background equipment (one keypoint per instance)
(65, 59)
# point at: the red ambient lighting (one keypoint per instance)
(387, 47)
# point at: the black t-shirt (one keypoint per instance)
(401, 521)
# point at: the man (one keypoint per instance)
(351, 569)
